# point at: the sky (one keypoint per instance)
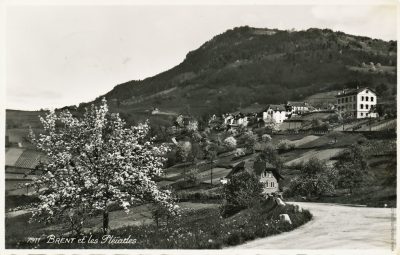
(64, 55)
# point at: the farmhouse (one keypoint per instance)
(359, 103)
(267, 173)
(275, 112)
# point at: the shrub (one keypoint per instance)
(249, 141)
(266, 138)
(230, 142)
(315, 179)
(270, 154)
(362, 140)
(285, 145)
(239, 152)
(192, 176)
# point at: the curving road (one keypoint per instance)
(335, 227)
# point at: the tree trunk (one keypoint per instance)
(106, 229)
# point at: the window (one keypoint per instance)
(354, 106)
(342, 100)
(362, 98)
(266, 184)
(347, 100)
(366, 98)
(338, 101)
(366, 91)
(362, 114)
(272, 184)
(354, 98)
(366, 106)
(361, 106)
(372, 99)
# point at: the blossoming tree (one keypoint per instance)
(95, 161)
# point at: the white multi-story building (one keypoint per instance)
(360, 102)
(275, 112)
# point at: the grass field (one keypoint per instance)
(202, 228)
(18, 228)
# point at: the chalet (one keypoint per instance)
(274, 112)
(359, 103)
(267, 173)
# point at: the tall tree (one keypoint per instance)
(352, 167)
(95, 161)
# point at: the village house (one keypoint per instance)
(266, 173)
(297, 108)
(360, 102)
(275, 112)
(235, 119)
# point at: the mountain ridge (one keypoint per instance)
(245, 65)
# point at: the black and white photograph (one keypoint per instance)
(229, 127)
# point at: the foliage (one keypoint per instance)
(196, 229)
(318, 124)
(230, 142)
(270, 154)
(162, 214)
(192, 176)
(94, 161)
(239, 152)
(352, 167)
(266, 138)
(249, 140)
(285, 145)
(243, 190)
(315, 179)
(183, 151)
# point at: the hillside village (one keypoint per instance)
(237, 137)
(331, 140)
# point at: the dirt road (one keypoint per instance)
(335, 227)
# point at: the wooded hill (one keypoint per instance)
(245, 65)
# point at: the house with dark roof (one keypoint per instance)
(358, 103)
(266, 172)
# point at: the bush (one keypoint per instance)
(270, 154)
(230, 142)
(239, 152)
(192, 176)
(285, 145)
(266, 138)
(249, 141)
(315, 179)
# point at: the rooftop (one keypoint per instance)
(349, 92)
